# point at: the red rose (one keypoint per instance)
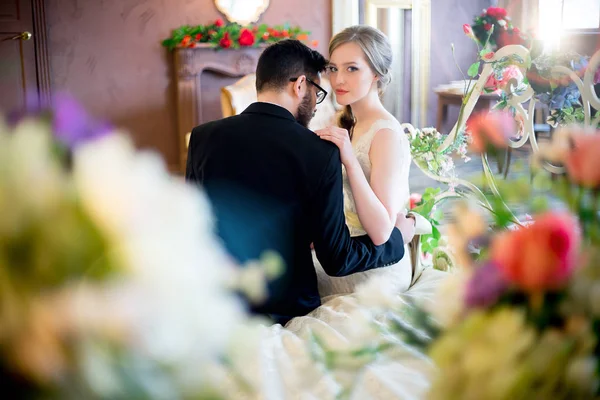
(246, 37)
(496, 12)
(198, 37)
(219, 23)
(487, 27)
(225, 42)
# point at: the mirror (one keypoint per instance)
(243, 12)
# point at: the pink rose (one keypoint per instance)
(583, 162)
(491, 85)
(510, 72)
(493, 128)
(540, 256)
(415, 199)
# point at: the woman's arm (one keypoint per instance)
(379, 203)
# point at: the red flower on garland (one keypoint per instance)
(185, 42)
(246, 37)
(221, 35)
(225, 42)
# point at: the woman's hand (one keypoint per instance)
(406, 225)
(339, 137)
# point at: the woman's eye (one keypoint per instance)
(332, 69)
(352, 69)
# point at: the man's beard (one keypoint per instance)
(306, 110)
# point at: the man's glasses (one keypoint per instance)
(321, 93)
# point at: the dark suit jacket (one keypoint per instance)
(275, 185)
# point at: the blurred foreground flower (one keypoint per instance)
(490, 130)
(541, 256)
(112, 284)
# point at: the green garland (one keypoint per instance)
(221, 35)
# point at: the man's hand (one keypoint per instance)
(406, 225)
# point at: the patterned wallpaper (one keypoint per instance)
(107, 53)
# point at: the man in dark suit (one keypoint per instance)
(275, 185)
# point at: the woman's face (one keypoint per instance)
(350, 74)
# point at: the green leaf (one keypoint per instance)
(473, 69)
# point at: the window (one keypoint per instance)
(557, 17)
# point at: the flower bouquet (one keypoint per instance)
(112, 284)
(495, 23)
(524, 320)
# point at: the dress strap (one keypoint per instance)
(367, 138)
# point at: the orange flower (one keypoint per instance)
(542, 255)
(314, 43)
(583, 161)
(490, 129)
(186, 40)
(302, 36)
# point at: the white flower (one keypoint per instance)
(449, 301)
(174, 300)
(252, 281)
(502, 22)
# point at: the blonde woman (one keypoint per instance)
(374, 150)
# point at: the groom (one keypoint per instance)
(274, 185)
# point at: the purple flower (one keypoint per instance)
(485, 287)
(71, 124)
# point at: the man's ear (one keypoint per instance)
(300, 86)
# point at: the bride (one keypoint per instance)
(376, 157)
(374, 150)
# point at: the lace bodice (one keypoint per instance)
(361, 149)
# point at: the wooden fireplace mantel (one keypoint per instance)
(190, 63)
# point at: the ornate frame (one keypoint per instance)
(228, 14)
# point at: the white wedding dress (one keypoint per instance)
(399, 274)
(283, 366)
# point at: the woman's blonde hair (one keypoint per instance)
(378, 52)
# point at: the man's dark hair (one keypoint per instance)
(284, 60)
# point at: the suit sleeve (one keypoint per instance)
(338, 252)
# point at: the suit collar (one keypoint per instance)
(270, 109)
